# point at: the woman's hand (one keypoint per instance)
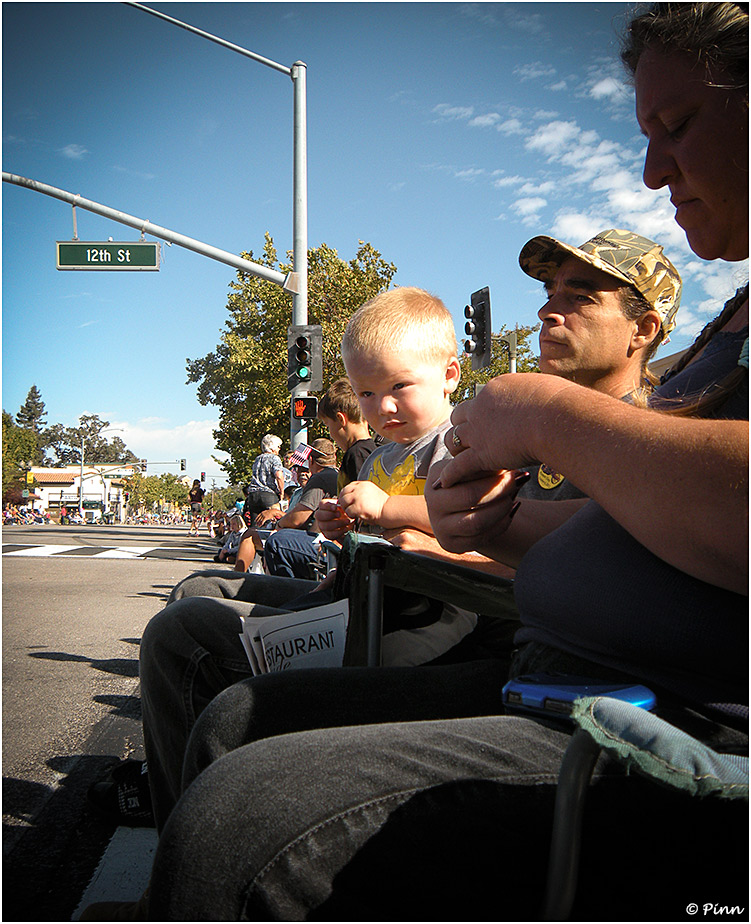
(472, 515)
(498, 430)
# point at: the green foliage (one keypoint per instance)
(19, 449)
(31, 416)
(144, 491)
(66, 442)
(224, 498)
(149, 490)
(526, 361)
(246, 375)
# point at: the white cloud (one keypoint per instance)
(450, 113)
(529, 206)
(525, 22)
(485, 121)
(153, 439)
(503, 181)
(538, 188)
(575, 227)
(511, 127)
(74, 151)
(550, 139)
(607, 88)
(533, 71)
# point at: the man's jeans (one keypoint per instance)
(290, 553)
(299, 804)
(190, 652)
(433, 820)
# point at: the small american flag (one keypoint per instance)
(301, 454)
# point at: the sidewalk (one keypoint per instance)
(123, 872)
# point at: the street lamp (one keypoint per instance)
(80, 484)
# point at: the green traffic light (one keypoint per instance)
(303, 372)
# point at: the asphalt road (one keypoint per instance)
(72, 623)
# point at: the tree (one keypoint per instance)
(66, 443)
(246, 375)
(32, 417)
(174, 490)
(32, 414)
(144, 490)
(19, 447)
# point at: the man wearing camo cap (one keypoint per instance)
(611, 303)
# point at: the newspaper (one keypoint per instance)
(289, 641)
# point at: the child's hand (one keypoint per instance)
(364, 501)
(331, 519)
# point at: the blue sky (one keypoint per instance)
(445, 134)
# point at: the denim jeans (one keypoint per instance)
(429, 820)
(191, 651)
(381, 794)
(290, 553)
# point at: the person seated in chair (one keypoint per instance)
(291, 548)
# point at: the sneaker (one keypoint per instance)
(124, 795)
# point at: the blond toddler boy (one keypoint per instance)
(399, 351)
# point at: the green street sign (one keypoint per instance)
(109, 255)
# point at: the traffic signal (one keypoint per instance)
(143, 465)
(182, 465)
(305, 407)
(478, 328)
(304, 356)
(203, 476)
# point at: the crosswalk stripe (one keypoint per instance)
(81, 551)
(42, 551)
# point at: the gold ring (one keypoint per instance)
(457, 442)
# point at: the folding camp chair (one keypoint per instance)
(651, 747)
(369, 565)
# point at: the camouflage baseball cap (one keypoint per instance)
(629, 257)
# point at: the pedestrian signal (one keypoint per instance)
(305, 407)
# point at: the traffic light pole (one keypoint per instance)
(298, 429)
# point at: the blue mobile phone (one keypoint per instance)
(553, 695)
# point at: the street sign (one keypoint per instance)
(108, 255)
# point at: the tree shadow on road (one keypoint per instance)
(124, 667)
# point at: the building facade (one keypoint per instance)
(100, 494)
